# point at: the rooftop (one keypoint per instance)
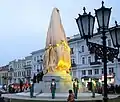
(4, 68)
(38, 51)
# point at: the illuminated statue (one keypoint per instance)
(57, 52)
(57, 61)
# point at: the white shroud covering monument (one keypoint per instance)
(57, 61)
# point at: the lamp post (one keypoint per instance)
(85, 24)
(103, 16)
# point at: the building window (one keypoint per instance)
(102, 71)
(20, 74)
(89, 59)
(109, 42)
(37, 57)
(34, 67)
(83, 60)
(111, 70)
(29, 72)
(82, 48)
(83, 72)
(10, 74)
(24, 73)
(28, 62)
(40, 67)
(14, 74)
(74, 74)
(96, 71)
(34, 58)
(37, 66)
(89, 72)
(71, 51)
(72, 61)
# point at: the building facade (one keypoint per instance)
(4, 75)
(28, 68)
(37, 61)
(20, 70)
(87, 65)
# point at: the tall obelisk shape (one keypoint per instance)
(57, 53)
(56, 31)
(57, 61)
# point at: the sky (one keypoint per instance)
(24, 23)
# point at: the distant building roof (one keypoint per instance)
(4, 68)
(38, 51)
(28, 57)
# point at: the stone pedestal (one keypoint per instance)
(62, 79)
(38, 87)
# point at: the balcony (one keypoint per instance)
(95, 63)
(28, 66)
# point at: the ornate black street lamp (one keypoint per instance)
(115, 35)
(85, 24)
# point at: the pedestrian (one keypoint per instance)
(53, 88)
(93, 88)
(75, 87)
(31, 88)
(70, 97)
(21, 85)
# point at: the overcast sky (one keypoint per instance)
(24, 23)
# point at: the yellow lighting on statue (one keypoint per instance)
(62, 64)
(57, 45)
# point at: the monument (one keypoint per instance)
(57, 61)
(57, 65)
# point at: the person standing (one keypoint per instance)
(21, 85)
(31, 88)
(93, 88)
(71, 97)
(53, 88)
(76, 87)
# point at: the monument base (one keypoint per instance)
(63, 82)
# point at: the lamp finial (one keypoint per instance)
(116, 23)
(102, 3)
(84, 10)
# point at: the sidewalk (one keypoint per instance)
(14, 96)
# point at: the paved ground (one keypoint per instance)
(14, 96)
